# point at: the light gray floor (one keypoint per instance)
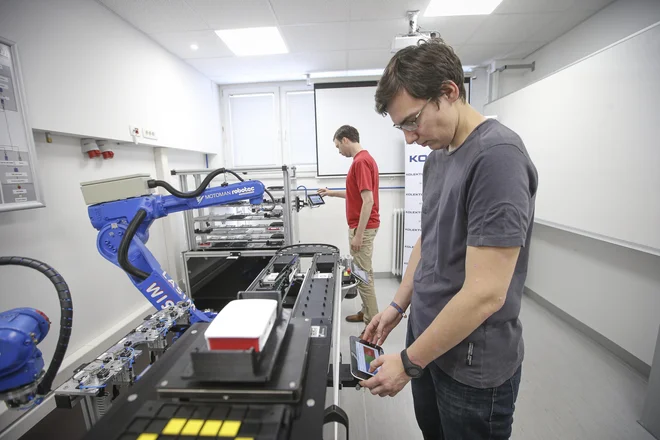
(571, 387)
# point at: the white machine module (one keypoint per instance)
(242, 324)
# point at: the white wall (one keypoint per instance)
(479, 90)
(89, 73)
(614, 22)
(614, 290)
(618, 20)
(509, 81)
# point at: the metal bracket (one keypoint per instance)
(413, 28)
(346, 379)
(531, 66)
(90, 415)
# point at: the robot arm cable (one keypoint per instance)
(205, 183)
(66, 312)
(198, 191)
(122, 253)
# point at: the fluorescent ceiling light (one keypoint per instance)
(445, 8)
(253, 41)
(346, 73)
(194, 46)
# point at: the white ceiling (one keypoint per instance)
(329, 35)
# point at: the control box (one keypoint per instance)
(118, 188)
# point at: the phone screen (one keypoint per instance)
(365, 356)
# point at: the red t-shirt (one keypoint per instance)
(363, 175)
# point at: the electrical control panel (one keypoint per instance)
(19, 186)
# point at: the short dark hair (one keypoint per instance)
(423, 71)
(346, 131)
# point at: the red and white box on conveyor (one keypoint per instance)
(242, 324)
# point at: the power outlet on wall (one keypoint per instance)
(135, 131)
(149, 134)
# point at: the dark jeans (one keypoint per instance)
(448, 410)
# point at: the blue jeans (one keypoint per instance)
(448, 410)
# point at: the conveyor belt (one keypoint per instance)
(168, 404)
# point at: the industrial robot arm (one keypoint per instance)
(23, 382)
(123, 227)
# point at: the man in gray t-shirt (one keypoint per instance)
(466, 274)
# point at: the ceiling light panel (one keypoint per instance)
(448, 8)
(253, 41)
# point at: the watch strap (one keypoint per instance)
(408, 365)
(398, 309)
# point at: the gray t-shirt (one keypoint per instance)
(481, 194)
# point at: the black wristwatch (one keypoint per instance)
(412, 370)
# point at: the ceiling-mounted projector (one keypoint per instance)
(413, 37)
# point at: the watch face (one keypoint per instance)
(414, 372)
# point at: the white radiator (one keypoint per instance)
(397, 242)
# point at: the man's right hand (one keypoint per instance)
(325, 192)
(381, 325)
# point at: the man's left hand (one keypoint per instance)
(356, 242)
(391, 377)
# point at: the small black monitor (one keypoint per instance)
(315, 200)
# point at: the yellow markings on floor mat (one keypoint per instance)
(210, 428)
(174, 426)
(192, 428)
(229, 429)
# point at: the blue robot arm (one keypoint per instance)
(21, 361)
(23, 382)
(123, 227)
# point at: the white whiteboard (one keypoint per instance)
(593, 131)
(353, 104)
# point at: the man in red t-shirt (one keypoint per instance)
(361, 212)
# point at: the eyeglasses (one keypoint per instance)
(412, 124)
